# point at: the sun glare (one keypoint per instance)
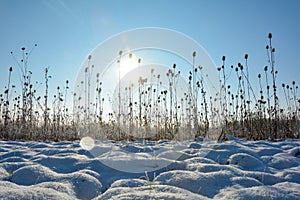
(128, 63)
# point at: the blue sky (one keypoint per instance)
(67, 31)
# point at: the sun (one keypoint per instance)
(128, 63)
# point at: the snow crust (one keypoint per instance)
(201, 169)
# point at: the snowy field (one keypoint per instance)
(203, 169)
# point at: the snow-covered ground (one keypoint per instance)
(203, 169)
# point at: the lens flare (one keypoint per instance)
(87, 143)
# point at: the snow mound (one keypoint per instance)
(200, 169)
(246, 162)
(281, 191)
(11, 191)
(84, 185)
(245, 182)
(282, 161)
(155, 192)
(33, 174)
(206, 184)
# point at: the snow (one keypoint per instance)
(246, 162)
(200, 169)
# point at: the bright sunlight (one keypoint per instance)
(128, 63)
